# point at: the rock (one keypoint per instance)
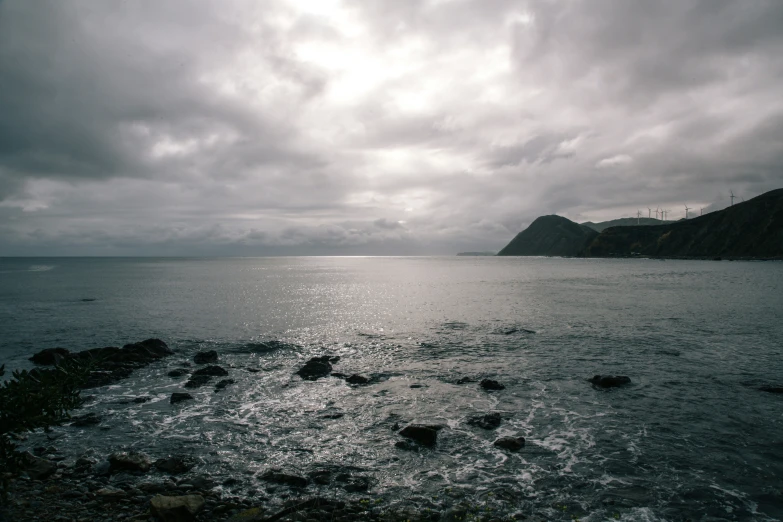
(212, 371)
(772, 389)
(356, 379)
(464, 380)
(510, 443)
(179, 397)
(141, 400)
(489, 385)
(102, 469)
(179, 372)
(111, 493)
(210, 356)
(50, 356)
(609, 381)
(406, 445)
(38, 468)
(222, 384)
(425, 435)
(129, 461)
(356, 484)
(176, 509)
(316, 368)
(174, 465)
(320, 476)
(197, 381)
(490, 421)
(110, 363)
(84, 463)
(278, 477)
(88, 419)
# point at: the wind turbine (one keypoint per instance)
(638, 215)
(732, 197)
(686, 211)
(701, 211)
(649, 211)
(656, 212)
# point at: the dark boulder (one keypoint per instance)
(356, 379)
(278, 477)
(129, 461)
(179, 372)
(510, 443)
(174, 465)
(88, 419)
(772, 389)
(464, 380)
(210, 356)
(141, 400)
(213, 371)
(490, 421)
(609, 381)
(50, 356)
(424, 434)
(490, 385)
(179, 397)
(197, 381)
(406, 445)
(316, 368)
(222, 384)
(109, 364)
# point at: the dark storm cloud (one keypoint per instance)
(289, 127)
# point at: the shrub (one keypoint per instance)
(36, 399)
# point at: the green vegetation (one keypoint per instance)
(36, 399)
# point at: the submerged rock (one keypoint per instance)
(179, 397)
(356, 379)
(491, 385)
(609, 381)
(510, 443)
(88, 419)
(316, 368)
(129, 461)
(278, 477)
(772, 389)
(176, 509)
(179, 372)
(197, 381)
(175, 465)
(464, 380)
(424, 434)
(210, 356)
(222, 384)
(212, 371)
(490, 421)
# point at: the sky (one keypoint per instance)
(374, 127)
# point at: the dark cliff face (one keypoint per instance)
(753, 228)
(550, 236)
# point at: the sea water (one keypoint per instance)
(692, 436)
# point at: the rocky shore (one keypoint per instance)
(134, 486)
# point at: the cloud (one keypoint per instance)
(232, 127)
(614, 161)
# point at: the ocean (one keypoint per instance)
(692, 437)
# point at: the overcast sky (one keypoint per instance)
(373, 127)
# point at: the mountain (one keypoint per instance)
(753, 228)
(624, 222)
(550, 236)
